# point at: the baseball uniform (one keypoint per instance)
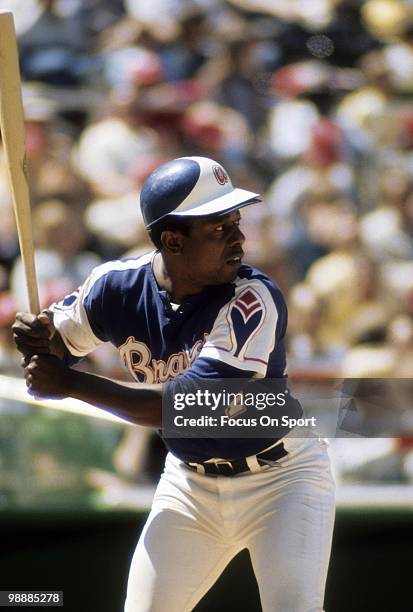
(280, 502)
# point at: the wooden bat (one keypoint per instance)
(12, 133)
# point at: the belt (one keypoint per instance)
(238, 466)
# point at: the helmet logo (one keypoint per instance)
(220, 175)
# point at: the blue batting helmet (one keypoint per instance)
(191, 187)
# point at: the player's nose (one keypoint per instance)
(236, 236)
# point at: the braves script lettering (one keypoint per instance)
(138, 359)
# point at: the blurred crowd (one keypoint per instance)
(308, 103)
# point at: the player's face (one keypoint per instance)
(212, 252)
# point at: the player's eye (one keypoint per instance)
(228, 225)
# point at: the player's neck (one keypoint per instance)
(172, 279)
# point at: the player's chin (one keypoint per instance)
(230, 271)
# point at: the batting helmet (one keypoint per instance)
(191, 187)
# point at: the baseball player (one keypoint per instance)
(187, 311)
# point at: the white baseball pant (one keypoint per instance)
(283, 515)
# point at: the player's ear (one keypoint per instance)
(172, 241)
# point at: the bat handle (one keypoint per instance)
(27, 247)
(34, 303)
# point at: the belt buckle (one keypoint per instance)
(224, 463)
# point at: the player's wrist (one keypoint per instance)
(76, 384)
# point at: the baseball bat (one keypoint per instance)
(12, 134)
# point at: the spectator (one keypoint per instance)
(110, 147)
(55, 48)
(60, 259)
